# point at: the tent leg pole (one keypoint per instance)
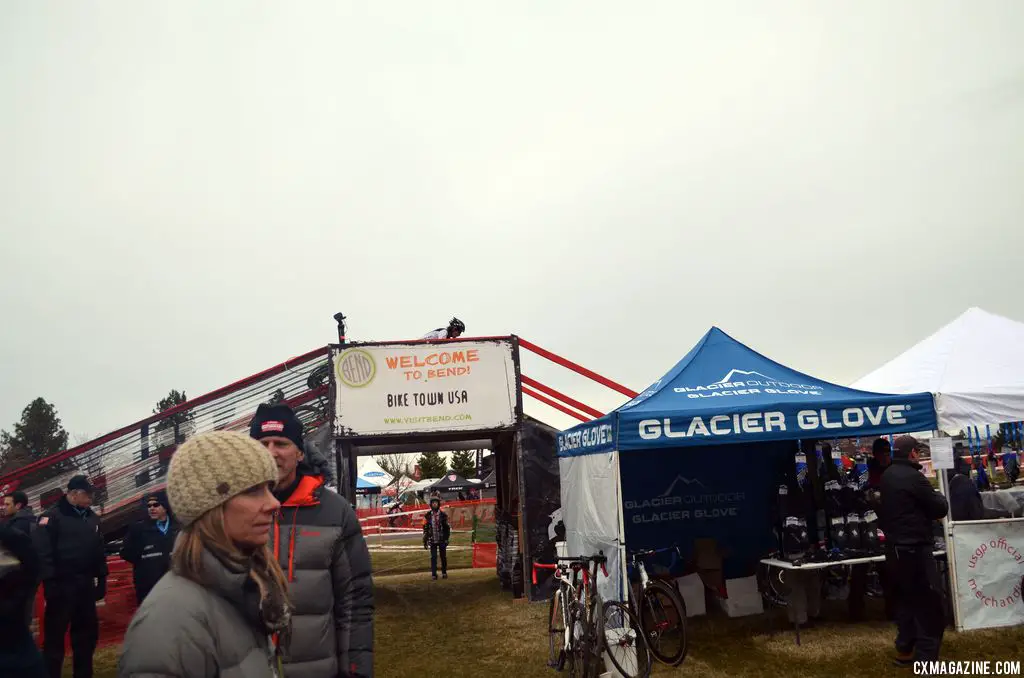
(623, 578)
(947, 533)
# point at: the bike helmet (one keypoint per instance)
(456, 325)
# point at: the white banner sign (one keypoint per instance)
(989, 572)
(424, 388)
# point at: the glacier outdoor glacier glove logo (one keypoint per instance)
(355, 368)
(745, 383)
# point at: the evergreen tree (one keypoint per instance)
(185, 420)
(38, 435)
(432, 465)
(464, 463)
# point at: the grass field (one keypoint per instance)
(465, 626)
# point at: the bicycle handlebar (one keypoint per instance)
(643, 553)
(599, 559)
(540, 566)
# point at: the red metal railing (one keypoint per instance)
(132, 460)
(570, 406)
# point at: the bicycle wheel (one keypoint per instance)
(663, 618)
(624, 641)
(773, 586)
(579, 646)
(556, 631)
(593, 666)
(318, 376)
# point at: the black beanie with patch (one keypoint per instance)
(276, 420)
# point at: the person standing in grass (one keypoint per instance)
(436, 532)
(223, 609)
(149, 543)
(319, 544)
(19, 574)
(908, 511)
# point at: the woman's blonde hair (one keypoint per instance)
(208, 534)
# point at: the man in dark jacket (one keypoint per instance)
(73, 568)
(964, 498)
(436, 532)
(19, 573)
(21, 518)
(19, 514)
(149, 543)
(909, 510)
(320, 547)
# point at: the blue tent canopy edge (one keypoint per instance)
(722, 392)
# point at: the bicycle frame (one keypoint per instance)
(580, 587)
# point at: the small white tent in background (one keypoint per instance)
(974, 366)
(368, 468)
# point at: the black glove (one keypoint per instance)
(101, 588)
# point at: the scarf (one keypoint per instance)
(261, 598)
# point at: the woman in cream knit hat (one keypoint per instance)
(222, 610)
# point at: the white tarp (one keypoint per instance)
(989, 572)
(974, 366)
(591, 509)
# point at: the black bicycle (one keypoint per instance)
(661, 611)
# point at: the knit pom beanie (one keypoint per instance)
(213, 467)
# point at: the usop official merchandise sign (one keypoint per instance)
(989, 573)
(386, 389)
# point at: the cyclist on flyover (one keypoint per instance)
(453, 331)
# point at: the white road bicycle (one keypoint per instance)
(581, 628)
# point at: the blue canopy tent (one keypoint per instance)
(697, 452)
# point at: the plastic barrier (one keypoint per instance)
(460, 516)
(485, 555)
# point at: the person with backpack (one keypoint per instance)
(436, 533)
(455, 329)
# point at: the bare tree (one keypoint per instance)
(396, 464)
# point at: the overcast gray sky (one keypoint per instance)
(189, 190)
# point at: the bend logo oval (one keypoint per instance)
(355, 368)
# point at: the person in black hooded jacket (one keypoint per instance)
(908, 512)
(149, 543)
(964, 498)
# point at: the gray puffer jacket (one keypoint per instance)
(184, 630)
(320, 547)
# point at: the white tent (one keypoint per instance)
(974, 366)
(369, 469)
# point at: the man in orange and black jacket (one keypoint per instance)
(320, 547)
